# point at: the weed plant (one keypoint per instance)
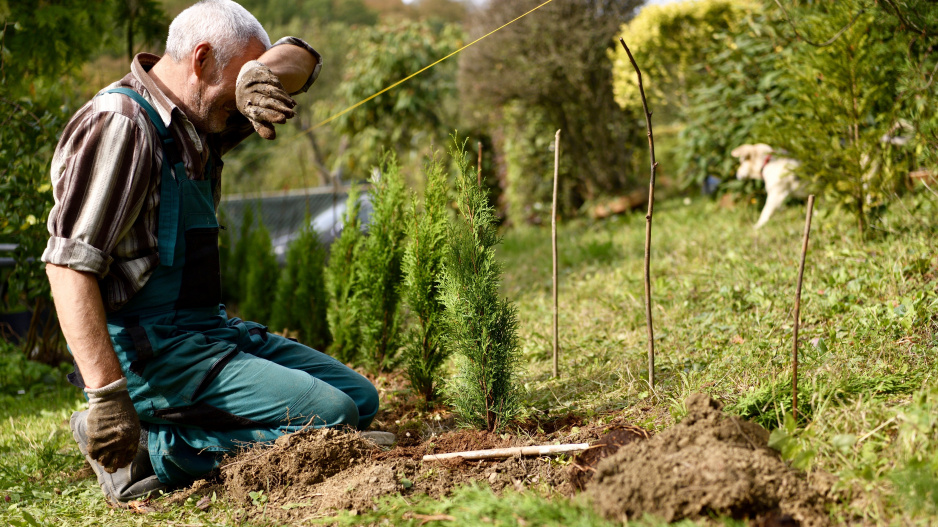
(300, 303)
(376, 299)
(340, 283)
(481, 328)
(423, 349)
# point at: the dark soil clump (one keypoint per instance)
(708, 464)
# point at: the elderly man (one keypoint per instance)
(173, 383)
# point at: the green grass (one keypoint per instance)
(722, 301)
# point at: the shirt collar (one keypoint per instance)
(140, 68)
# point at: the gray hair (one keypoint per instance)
(224, 24)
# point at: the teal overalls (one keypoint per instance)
(204, 384)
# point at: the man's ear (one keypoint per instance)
(203, 60)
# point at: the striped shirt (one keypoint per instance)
(106, 181)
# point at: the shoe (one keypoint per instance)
(382, 439)
(132, 482)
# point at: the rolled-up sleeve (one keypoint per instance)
(100, 176)
(295, 41)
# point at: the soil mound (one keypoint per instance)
(301, 460)
(709, 463)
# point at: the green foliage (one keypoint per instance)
(417, 112)
(234, 259)
(341, 284)
(669, 42)
(769, 404)
(917, 89)
(424, 352)
(738, 83)
(272, 13)
(552, 69)
(300, 303)
(845, 100)
(481, 328)
(260, 280)
(378, 274)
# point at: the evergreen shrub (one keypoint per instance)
(376, 300)
(480, 328)
(300, 303)
(340, 284)
(423, 348)
(260, 279)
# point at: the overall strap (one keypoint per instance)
(171, 174)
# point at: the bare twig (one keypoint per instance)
(480, 164)
(496, 453)
(794, 359)
(651, 209)
(815, 44)
(553, 230)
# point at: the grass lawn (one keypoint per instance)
(722, 301)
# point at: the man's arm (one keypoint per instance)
(112, 426)
(293, 65)
(264, 87)
(81, 315)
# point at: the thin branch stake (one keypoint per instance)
(480, 164)
(495, 453)
(794, 358)
(651, 210)
(553, 231)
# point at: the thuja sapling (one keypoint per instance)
(301, 293)
(340, 284)
(376, 299)
(261, 277)
(480, 328)
(423, 348)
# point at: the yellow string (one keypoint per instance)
(411, 76)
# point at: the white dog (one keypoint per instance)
(760, 161)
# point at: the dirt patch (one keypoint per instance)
(297, 460)
(709, 463)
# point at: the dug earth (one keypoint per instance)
(710, 464)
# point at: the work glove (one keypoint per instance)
(261, 98)
(113, 426)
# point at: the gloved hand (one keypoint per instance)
(261, 98)
(113, 426)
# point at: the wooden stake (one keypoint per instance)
(794, 358)
(651, 210)
(553, 229)
(480, 164)
(496, 453)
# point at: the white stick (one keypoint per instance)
(541, 450)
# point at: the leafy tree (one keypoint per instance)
(416, 112)
(341, 284)
(260, 279)
(424, 352)
(481, 328)
(378, 269)
(300, 302)
(553, 66)
(42, 47)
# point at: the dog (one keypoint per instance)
(761, 161)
